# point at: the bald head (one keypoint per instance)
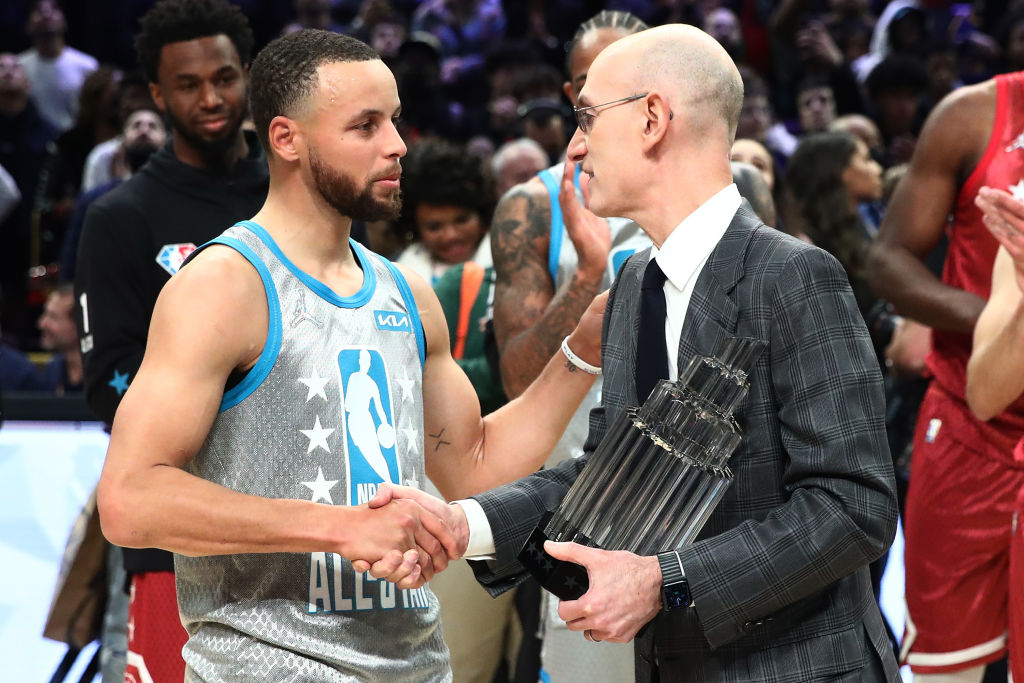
(689, 66)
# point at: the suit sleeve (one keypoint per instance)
(113, 303)
(514, 510)
(840, 509)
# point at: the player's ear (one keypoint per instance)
(284, 136)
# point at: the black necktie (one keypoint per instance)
(651, 353)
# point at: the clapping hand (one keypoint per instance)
(1003, 215)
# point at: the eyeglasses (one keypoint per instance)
(585, 115)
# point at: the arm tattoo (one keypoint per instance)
(530, 317)
(440, 440)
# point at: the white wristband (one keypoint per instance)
(577, 361)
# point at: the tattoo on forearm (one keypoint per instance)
(530, 317)
(440, 440)
(570, 367)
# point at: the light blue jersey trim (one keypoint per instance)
(411, 308)
(258, 373)
(557, 225)
(320, 289)
(557, 222)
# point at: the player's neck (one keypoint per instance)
(307, 229)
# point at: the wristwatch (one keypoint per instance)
(675, 589)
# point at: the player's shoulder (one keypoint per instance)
(965, 105)
(217, 273)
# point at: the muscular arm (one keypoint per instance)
(204, 326)
(530, 318)
(951, 144)
(995, 373)
(467, 454)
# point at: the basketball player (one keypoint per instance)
(231, 438)
(960, 502)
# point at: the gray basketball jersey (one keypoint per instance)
(627, 239)
(332, 408)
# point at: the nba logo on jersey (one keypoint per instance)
(371, 457)
(171, 256)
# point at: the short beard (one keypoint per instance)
(340, 192)
(214, 152)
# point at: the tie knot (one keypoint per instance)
(654, 276)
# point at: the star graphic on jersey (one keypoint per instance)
(317, 436)
(320, 487)
(316, 385)
(1018, 190)
(120, 382)
(412, 438)
(406, 384)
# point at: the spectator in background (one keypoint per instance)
(1011, 41)
(828, 176)
(757, 119)
(105, 161)
(143, 134)
(543, 121)
(16, 371)
(313, 14)
(24, 135)
(446, 209)
(722, 24)
(516, 162)
(896, 87)
(757, 155)
(59, 334)
(465, 28)
(387, 34)
(55, 70)
(815, 105)
(863, 128)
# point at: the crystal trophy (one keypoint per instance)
(657, 474)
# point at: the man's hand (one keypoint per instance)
(447, 522)
(398, 541)
(910, 343)
(1004, 217)
(589, 234)
(624, 594)
(585, 340)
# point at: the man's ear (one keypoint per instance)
(658, 116)
(157, 95)
(567, 89)
(284, 136)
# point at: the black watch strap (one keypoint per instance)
(675, 589)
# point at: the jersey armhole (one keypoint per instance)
(258, 372)
(411, 308)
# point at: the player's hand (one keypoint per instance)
(452, 528)
(624, 593)
(905, 354)
(392, 542)
(1004, 217)
(589, 234)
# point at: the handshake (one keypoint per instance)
(405, 536)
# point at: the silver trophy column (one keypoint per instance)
(657, 475)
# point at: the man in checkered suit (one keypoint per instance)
(779, 576)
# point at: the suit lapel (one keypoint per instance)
(712, 314)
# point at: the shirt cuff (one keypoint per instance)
(481, 540)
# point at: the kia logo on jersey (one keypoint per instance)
(171, 256)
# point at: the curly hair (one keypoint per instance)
(175, 21)
(284, 73)
(821, 200)
(440, 173)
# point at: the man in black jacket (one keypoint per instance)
(195, 54)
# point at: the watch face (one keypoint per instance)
(677, 596)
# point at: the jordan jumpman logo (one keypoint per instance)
(302, 314)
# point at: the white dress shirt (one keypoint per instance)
(681, 257)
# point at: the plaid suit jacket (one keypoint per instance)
(779, 574)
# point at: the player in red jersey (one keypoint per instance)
(962, 493)
(995, 374)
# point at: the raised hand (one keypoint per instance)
(1003, 215)
(624, 593)
(589, 234)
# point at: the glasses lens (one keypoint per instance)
(583, 120)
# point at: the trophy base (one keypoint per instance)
(566, 580)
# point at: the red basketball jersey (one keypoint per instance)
(972, 252)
